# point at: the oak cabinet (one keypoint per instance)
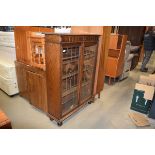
(70, 69)
(30, 64)
(32, 85)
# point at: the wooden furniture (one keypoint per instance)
(30, 64)
(136, 36)
(141, 54)
(116, 53)
(65, 81)
(32, 85)
(37, 51)
(5, 123)
(103, 57)
(70, 72)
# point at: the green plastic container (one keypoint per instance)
(139, 103)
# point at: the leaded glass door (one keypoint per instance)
(70, 77)
(88, 71)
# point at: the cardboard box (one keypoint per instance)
(152, 76)
(142, 98)
(147, 80)
(139, 119)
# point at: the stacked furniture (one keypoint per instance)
(58, 70)
(116, 54)
(8, 80)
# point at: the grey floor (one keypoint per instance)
(110, 111)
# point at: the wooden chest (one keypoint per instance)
(5, 123)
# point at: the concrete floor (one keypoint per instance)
(110, 111)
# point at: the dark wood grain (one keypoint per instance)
(135, 33)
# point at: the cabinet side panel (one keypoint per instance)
(122, 55)
(103, 56)
(53, 67)
(21, 76)
(21, 46)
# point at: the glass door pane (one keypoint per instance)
(70, 78)
(38, 52)
(88, 71)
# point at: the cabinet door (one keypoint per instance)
(88, 71)
(38, 52)
(37, 90)
(70, 77)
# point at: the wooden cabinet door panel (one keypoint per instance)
(37, 90)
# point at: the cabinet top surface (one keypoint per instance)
(69, 34)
